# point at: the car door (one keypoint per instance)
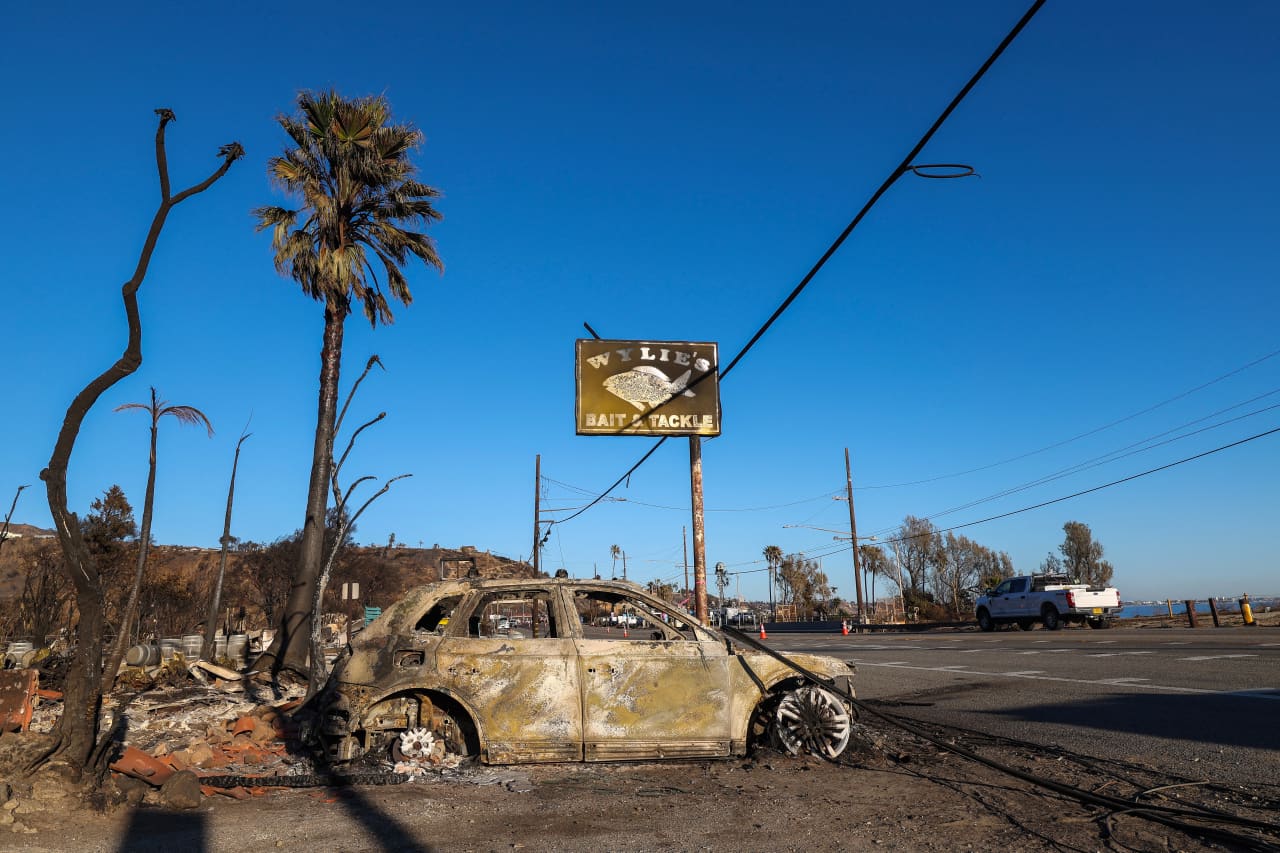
(653, 684)
(520, 679)
(1014, 601)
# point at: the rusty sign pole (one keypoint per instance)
(853, 531)
(537, 495)
(699, 533)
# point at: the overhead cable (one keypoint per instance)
(900, 170)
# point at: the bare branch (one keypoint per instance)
(373, 359)
(337, 466)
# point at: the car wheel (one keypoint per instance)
(813, 720)
(1052, 621)
(984, 620)
(1026, 624)
(441, 731)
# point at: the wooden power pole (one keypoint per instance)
(537, 517)
(853, 532)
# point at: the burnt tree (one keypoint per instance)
(77, 730)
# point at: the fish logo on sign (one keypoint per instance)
(646, 385)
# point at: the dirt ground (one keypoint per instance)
(896, 792)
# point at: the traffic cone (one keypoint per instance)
(763, 635)
(624, 631)
(844, 627)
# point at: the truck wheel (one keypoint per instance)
(1100, 623)
(984, 620)
(1026, 624)
(1050, 619)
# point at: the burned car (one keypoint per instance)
(553, 669)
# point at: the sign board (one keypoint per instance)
(647, 388)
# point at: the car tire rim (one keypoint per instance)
(813, 720)
(414, 744)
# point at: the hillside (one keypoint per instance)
(179, 578)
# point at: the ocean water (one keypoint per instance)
(1131, 609)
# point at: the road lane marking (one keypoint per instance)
(1102, 642)
(1178, 643)
(1214, 657)
(1243, 694)
(1024, 672)
(1123, 680)
(1116, 654)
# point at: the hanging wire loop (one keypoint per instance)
(944, 171)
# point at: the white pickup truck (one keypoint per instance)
(1049, 599)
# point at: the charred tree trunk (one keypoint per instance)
(130, 615)
(77, 730)
(289, 649)
(215, 599)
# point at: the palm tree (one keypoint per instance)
(773, 556)
(157, 409)
(354, 183)
(614, 552)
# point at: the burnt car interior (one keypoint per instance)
(519, 615)
(613, 616)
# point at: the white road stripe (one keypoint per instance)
(1100, 682)
(1217, 657)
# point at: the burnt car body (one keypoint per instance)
(553, 669)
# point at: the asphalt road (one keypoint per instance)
(1199, 703)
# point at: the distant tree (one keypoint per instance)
(802, 583)
(45, 597)
(350, 172)
(269, 569)
(773, 559)
(614, 553)
(917, 550)
(4, 528)
(109, 523)
(156, 409)
(1051, 565)
(876, 563)
(1082, 556)
(110, 536)
(965, 567)
(998, 569)
(75, 734)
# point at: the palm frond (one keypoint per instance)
(188, 415)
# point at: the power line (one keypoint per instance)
(1095, 488)
(1105, 459)
(1085, 434)
(901, 169)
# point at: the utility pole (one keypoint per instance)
(853, 532)
(624, 565)
(699, 532)
(537, 516)
(684, 537)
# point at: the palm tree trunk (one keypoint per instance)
(130, 614)
(289, 649)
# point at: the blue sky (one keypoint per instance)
(670, 171)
